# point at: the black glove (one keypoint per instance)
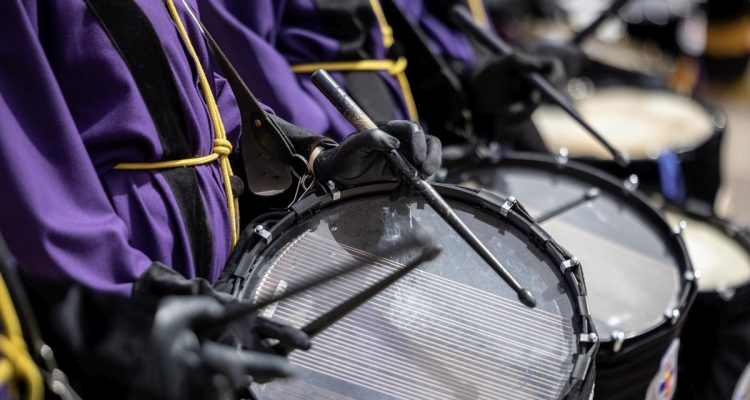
(180, 363)
(231, 355)
(499, 88)
(360, 158)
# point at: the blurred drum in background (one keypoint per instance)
(674, 142)
(715, 342)
(639, 277)
(451, 329)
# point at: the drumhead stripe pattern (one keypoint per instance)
(449, 329)
(511, 317)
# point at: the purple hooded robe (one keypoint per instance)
(265, 38)
(69, 111)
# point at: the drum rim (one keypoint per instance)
(634, 198)
(735, 231)
(586, 338)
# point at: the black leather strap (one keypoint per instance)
(140, 47)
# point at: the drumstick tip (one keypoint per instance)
(621, 158)
(525, 296)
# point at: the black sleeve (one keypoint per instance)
(303, 140)
(99, 341)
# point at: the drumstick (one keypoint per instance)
(461, 17)
(238, 310)
(359, 119)
(593, 26)
(314, 327)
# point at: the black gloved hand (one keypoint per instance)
(183, 364)
(360, 158)
(499, 88)
(234, 354)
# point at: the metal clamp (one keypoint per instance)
(568, 264)
(618, 338)
(509, 204)
(673, 315)
(263, 233)
(588, 337)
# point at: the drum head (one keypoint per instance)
(633, 276)
(450, 329)
(642, 122)
(722, 261)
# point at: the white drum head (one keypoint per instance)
(642, 122)
(722, 262)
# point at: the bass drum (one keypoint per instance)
(639, 278)
(450, 329)
(716, 337)
(674, 142)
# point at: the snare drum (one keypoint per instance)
(451, 329)
(639, 278)
(674, 142)
(716, 337)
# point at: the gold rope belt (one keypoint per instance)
(395, 68)
(222, 147)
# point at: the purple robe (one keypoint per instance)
(69, 111)
(264, 38)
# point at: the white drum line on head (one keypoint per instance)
(642, 122)
(439, 282)
(329, 361)
(396, 360)
(541, 330)
(564, 350)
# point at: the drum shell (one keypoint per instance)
(715, 345)
(627, 373)
(701, 169)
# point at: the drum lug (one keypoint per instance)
(618, 338)
(631, 183)
(726, 294)
(589, 337)
(673, 315)
(509, 204)
(263, 233)
(562, 157)
(692, 275)
(568, 264)
(681, 226)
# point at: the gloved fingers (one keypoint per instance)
(373, 139)
(159, 281)
(183, 311)
(236, 365)
(433, 156)
(286, 334)
(412, 138)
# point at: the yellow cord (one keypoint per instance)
(222, 147)
(396, 68)
(477, 10)
(16, 361)
(385, 29)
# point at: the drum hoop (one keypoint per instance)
(734, 231)
(587, 340)
(634, 198)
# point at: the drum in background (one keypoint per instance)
(715, 342)
(673, 141)
(639, 278)
(450, 329)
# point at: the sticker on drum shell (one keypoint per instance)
(663, 385)
(742, 390)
